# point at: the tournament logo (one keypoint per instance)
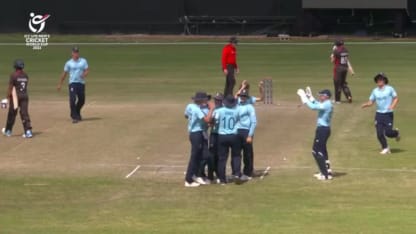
(37, 24)
(37, 21)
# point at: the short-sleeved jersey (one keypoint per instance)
(195, 117)
(20, 80)
(227, 120)
(250, 100)
(341, 56)
(247, 117)
(383, 98)
(324, 112)
(76, 68)
(214, 128)
(205, 110)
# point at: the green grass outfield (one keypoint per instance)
(72, 178)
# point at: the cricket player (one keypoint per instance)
(246, 127)
(17, 91)
(229, 65)
(251, 99)
(340, 59)
(323, 130)
(207, 161)
(213, 138)
(386, 100)
(197, 124)
(78, 69)
(227, 119)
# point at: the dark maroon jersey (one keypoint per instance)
(19, 80)
(341, 56)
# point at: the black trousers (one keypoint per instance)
(206, 160)
(24, 113)
(248, 152)
(340, 83)
(76, 99)
(197, 141)
(229, 81)
(213, 149)
(319, 149)
(384, 127)
(225, 143)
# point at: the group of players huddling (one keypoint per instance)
(232, 121)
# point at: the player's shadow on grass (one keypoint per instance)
(91, 119)
(338, 174)
(37, 133)
(397, 151)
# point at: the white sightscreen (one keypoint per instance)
(355, 4)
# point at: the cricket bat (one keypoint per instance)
(14, 97)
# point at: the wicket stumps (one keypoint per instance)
(268, 91)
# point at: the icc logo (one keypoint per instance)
(37, 22)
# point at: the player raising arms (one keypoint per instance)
(323, 130)
(18, 98)
(251, 99)
(386, 99)
(340, 59)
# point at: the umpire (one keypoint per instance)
(77, 68)
(229, 65)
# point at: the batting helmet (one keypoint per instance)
(381, 76)
(18, 64)
(339, 42)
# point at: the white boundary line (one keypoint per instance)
(218, 43)
(132, 172)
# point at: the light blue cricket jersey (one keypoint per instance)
(250, 100)
(205, 110)
(324, 112)
(214, 128)
(75, 70)
(248, 120)
(383, 98)
(195, 117)
(227, 119)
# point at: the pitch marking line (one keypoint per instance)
(179, 169)
(265, 172)
(132, 172)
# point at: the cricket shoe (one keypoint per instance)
(246, 178)
(191, 185)
(208, 181)
(349, 99)
(323, 178)
(385, 151)
(28, 134)
(317, 175)
(199, 180)
(7, 133)
(398, 137)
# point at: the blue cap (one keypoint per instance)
(325, 92)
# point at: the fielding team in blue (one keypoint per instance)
(232, 120)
